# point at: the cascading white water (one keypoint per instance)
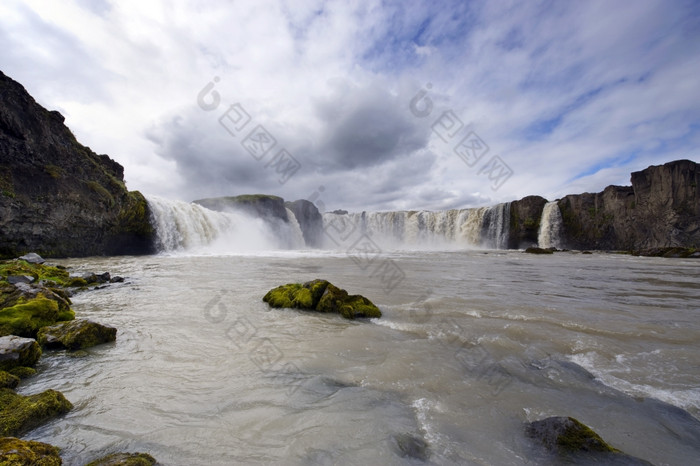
(182, 226)
(551, 223)
(459, 228)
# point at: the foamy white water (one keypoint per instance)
(472, 344)
(551, 226)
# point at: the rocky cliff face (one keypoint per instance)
(310, 220)
(57, 197)
(525, 216)
(262, 206)
(660, 209)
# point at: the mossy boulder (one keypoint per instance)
(124, 459)
(22, 372)
(18, 352)
(16, 452)
(534, 250)
(76, 334)
(574, 441)
(19, 414)
(8, 380)
(322, 296)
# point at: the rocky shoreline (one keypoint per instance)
(36, 316)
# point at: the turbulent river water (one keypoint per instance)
(472, 345)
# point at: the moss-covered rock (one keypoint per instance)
(18, 352)
(76, 334)
(22, 372)
(19, 413)
(8, 380)
(124, 459)
(534, 250)
(576, 442)
(321, 296)
(16, 452)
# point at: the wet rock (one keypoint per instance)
(8, 380)
(16, 452)
(117, 279)
(407, 445)
(104, 277)
(76, 335)
(18, 352)
(25, 310)
(19, 414)
(124, 459)
(14, 279)
(576, 442)
(310, 221)
(32, 258)
(22, 372)
(534, 250)
(321, 296)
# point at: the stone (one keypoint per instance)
(14, 279)
(322, 296)
(535, 250)
(19, 414)
(407, 445)
(32, 258)
(18, 352)
(576, 443)
(124, 459)
(8, 380)
(16, 452)
(76, 335)
(57, 197)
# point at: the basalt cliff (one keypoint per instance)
(58, 197)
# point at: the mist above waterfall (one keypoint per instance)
(189, 227)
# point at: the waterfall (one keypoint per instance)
(551, 223)
(456, 228)
(182, 226)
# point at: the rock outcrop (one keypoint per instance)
(57, 197)
(19, 413)
(76, 335)
(321, 296)
(310, 221)
(660, 209)
(16, 452)
(262, 206)
(525, 216)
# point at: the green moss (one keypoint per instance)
(135, 215)
(6, 185)
(38, 271)
(19, 414)
(8, 380)
(76, 335)
(125, 459)
(579, 437)
(16, 452)
(322, 296)
(53, 171)
(77, 282)
(25, 319)
(101, 191)
(22, 372)
(531, 223)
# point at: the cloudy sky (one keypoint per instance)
(367, 105)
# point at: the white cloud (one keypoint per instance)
(572, 96)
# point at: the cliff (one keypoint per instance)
(57, 197)
(310, 221)
(660, 209)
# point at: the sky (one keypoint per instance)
(367, 105)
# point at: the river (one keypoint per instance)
(472, 345)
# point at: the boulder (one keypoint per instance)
(124, 459)
(8, 380)
(14, 279)
(534, 250)
(577, 443)
(76, 334)
(32, 258)
(29, 314)
(18, 413)
(18, 352)
(16, 452)
(410, 446)
(322, 296)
